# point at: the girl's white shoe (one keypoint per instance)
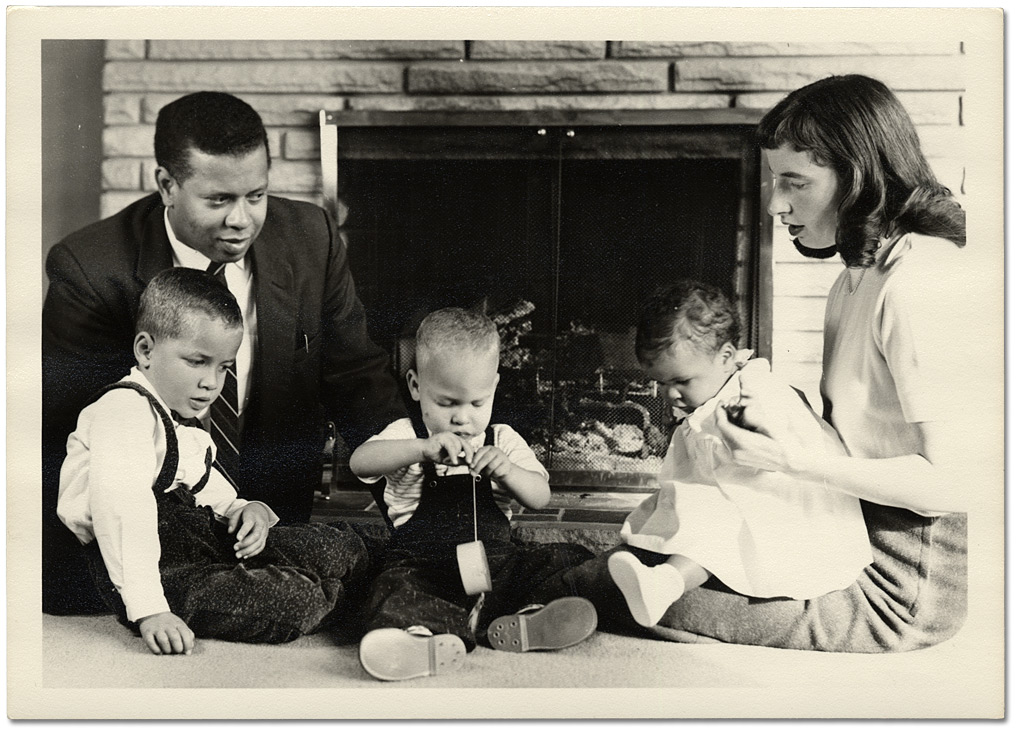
(649, 591)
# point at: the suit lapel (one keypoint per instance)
(154, 254)
(277, 315)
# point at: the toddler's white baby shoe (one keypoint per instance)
(563, 622)
(392, 654)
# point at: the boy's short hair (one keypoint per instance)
(216, 123)
(685, 310)
(172, 298)
(453, 329)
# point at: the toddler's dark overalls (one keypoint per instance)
(420, 582)
(286, 590)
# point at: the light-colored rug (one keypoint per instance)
(97, 653)
(94, 667)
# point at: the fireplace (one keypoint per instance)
(556, 224)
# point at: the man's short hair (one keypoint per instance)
(175, 296)
(213, 122)
(454, 329)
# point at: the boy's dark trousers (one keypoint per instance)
(289, 589)
(420, 581)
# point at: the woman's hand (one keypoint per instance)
(754, 448)
(933, 482)
(763, 433)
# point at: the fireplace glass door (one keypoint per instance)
(557, 233)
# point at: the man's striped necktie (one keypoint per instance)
(225, 424)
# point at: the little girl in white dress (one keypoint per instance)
(763, 534)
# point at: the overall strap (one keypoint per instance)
(418, 423)
(208, 471)
(168, 472)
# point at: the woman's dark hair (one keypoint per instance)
(856, 125)
(213, 122)
(685, 310)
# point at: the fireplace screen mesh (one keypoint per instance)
(559, 251)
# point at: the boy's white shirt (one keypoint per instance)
(403, 487)
(113, 457)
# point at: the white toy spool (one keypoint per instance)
(474, 567)
(471, 559)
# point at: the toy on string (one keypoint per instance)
(473, 564)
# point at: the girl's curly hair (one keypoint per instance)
(685, 310)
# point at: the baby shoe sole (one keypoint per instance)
(391, 654)
(562, 623)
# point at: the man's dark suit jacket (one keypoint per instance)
(314, 362)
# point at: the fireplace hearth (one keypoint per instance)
(556, 228)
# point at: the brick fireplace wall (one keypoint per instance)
(288, 82)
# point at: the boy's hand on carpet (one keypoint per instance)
(166, 633)
(253, 520)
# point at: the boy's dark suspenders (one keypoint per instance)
(168, 472)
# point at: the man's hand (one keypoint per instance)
(447, 448)
(166, 633)
(253, 520)
(490, 461)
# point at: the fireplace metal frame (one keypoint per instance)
(330, 123)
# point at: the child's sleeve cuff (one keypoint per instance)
(144, 603)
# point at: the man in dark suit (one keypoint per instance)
(305, 358)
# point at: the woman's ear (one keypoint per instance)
(144, 343)
(412, 384)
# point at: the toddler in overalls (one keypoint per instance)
(450, 479)
(175, 553)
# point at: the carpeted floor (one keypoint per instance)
(93, 668)
(98, 652)
(94, 658)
